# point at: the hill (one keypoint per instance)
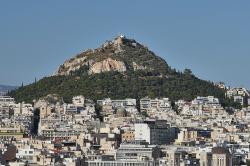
(121, 68)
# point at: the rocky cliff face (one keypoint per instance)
(70, 65)
(107, 65)
(120, 54)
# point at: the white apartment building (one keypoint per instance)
(209, 100)
(25, 154)
(6, 100)
(137, 150)
(155, 132)
(22, 108)
(163, 104)
(78, 101)
(240, 95)
(118, 103)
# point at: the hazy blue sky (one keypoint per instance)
(210, 37)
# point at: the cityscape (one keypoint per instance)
(199, 132)
(121, 104)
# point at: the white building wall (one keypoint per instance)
(142, 132)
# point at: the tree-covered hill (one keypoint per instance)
(118, 86)
(146, 75)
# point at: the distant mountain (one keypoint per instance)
(120, 68)
(6, 88)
